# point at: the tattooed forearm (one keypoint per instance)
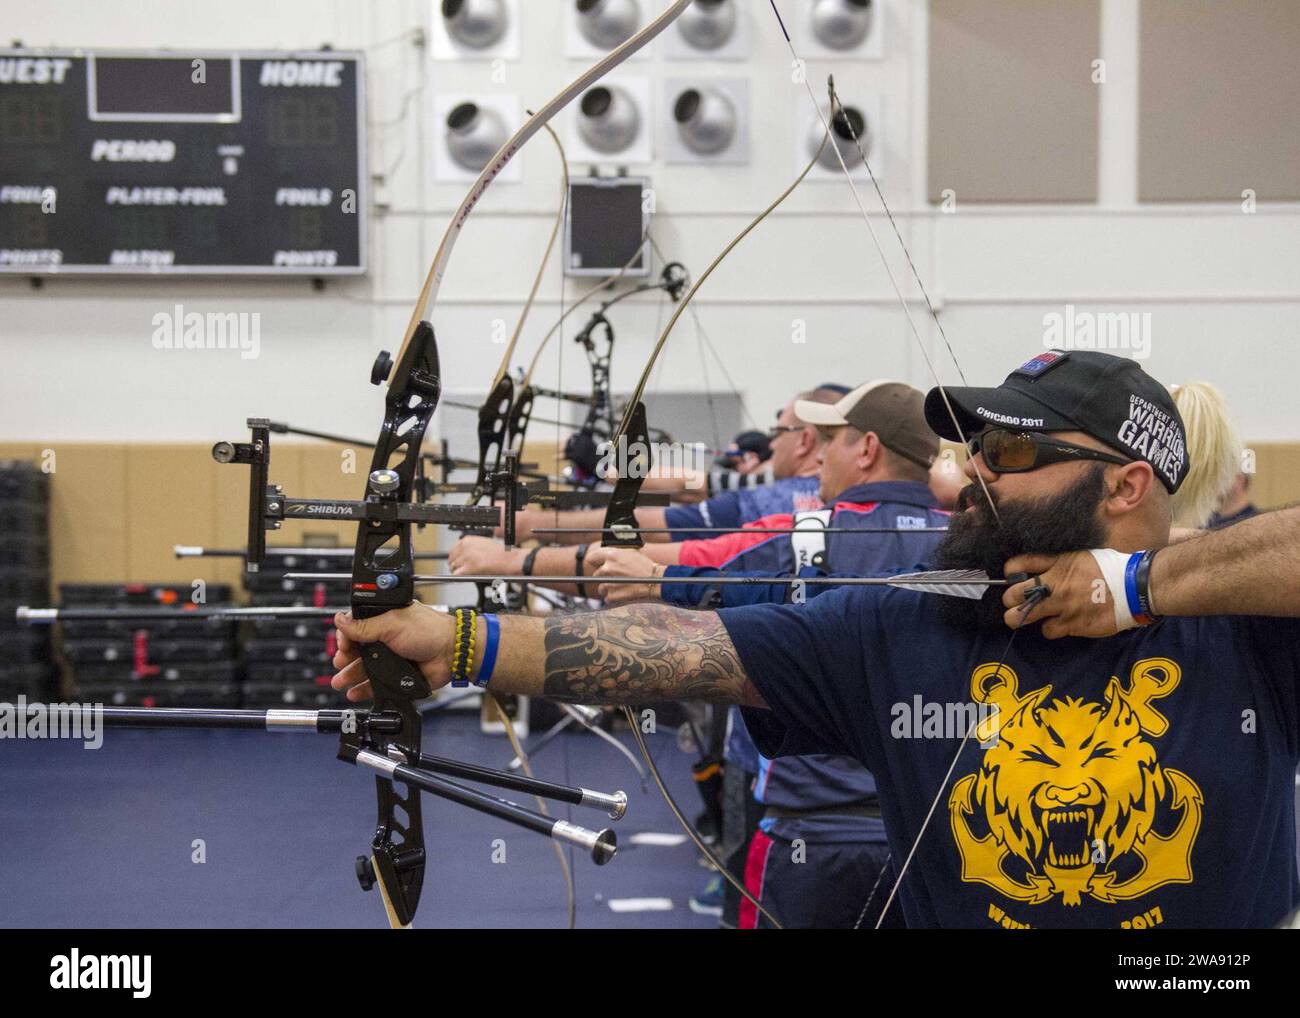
(642, 653)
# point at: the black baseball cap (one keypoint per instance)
(751, 441)
(1110, 398)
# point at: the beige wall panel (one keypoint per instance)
(89, 520)
(323, 471)
(170, 500)
(549, 460)
(1013, 109)
(1276, 482)
(1218, 93)
(116, 511)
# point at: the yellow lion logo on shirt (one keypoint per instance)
(1071, 795)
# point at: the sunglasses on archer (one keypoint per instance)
(1014, 452)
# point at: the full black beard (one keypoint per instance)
(1047, 525)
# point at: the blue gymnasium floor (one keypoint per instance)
(103, 838)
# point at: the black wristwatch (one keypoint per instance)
(578, 557)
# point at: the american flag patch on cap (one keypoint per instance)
(1035, 366)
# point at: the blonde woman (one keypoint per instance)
(1214, 448)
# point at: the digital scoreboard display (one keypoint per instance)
(180, 163)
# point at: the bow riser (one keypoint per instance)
(383, 578)
(493, 429)
(632, 447)
(521, 413)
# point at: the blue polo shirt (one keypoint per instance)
(1138, 781)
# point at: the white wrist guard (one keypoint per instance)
(1114, 567)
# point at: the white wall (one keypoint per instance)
(1223, 287)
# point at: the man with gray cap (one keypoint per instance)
(1028, 777)
(874, 454)
(819, 845)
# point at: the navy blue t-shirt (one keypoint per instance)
(817, 784)
(1139, 781)
(736, 508)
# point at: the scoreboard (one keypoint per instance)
(182, 163)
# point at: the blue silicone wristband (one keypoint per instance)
(489, 650)
(1135, 606)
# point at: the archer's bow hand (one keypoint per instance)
(416, 632)
(478, 556)
(1078, 601)
(624, 562)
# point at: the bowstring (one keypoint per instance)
(561, 855)
(835, 104)
(708, 343)
(557, 330)
(1035, 596)
(704, 369)
(884, 868)
(884, 260)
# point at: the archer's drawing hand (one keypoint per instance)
(1080, 602)
(624, 562)
(478, 555)
(416, 632)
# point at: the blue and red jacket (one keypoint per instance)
(905, 510)
(814, 786)
(736, 508)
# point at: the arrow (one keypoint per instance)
(970, 583)
(741, 530)
(200, 551)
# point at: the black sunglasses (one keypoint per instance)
(781, 429)
(1014, 452)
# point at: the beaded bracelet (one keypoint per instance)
(462, 653)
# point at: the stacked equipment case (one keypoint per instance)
(288, 662)
(161, 663)
(26, 664)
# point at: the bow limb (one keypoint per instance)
(438, 267)
(609, 280)
(704, 342)
(682, 305)
(521, 412)
(546, 256)
(620, 516)
(499, 405)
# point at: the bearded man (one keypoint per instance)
(1110, 743)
